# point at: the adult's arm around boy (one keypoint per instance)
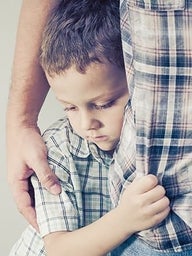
(26, 151)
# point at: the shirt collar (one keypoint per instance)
(80, 147)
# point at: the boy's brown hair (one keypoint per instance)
(81, 32)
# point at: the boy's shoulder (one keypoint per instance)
(60, 137)
(62, 125)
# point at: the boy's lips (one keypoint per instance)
(97, 138)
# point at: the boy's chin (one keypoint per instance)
(107, 148)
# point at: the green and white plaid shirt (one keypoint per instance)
(82, 169)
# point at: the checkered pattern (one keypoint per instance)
(83, 172)
(157, 43)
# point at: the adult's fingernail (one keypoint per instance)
(55, 189)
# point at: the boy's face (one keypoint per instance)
(94, 102)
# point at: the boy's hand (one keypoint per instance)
(143, 204)
(27, 154)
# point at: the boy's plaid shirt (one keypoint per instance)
(157, 133)
(82, 169)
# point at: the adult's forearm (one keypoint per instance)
(26, 98)
(29, 86)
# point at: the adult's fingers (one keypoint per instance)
(29, 213)
(47, 177)
(24, 202)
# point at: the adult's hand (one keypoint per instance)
(26, 154)
(26, 151)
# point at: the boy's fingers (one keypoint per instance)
(162, 215)
(144, 184)
(155, 194)
(160, 205)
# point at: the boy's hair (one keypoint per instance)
(81, 32)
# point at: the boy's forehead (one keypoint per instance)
(100, 82)
(105, 76)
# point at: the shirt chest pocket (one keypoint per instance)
(158, 5)
(156, 29)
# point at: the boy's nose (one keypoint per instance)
(89, 121)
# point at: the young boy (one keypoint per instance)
(82, 57)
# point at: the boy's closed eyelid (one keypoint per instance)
(68, 108)
(93, 106)
(105, 105)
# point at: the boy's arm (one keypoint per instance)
(142, 205)
(26, 151)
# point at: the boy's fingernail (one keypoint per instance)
(55, 189)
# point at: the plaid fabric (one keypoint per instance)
(83, 172)
(157, 43)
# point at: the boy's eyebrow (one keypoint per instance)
(65, 102)
(103, 96)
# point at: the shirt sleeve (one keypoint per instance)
(56, 212)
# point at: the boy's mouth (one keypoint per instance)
(97, 138)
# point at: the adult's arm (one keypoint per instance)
(26, 151)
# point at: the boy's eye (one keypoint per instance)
(104, 106)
